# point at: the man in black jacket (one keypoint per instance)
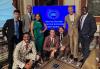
(12, 29)
(87, 28)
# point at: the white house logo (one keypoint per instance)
(53, 14)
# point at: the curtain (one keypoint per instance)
(6, 11)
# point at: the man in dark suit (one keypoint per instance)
(87, 28)
(12, 29)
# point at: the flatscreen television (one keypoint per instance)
(53, 16)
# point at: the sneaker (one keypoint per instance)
(65, 60)
(71, 61)
(71, 56)
(78, 64)
(75, 61)
(68, 59)
(62, 58)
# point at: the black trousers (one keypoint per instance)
(46, 54)
(11, 45)
(85, 42)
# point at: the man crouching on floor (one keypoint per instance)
(24, 54)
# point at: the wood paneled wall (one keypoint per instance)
(60, 2)
(42, 2)
(15, 3)
(83, 3)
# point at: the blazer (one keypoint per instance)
(9, 30)
(26, 22)
(69, 22)
(65, 41)
(89, 27)
(58, 34)
(47, 43)
(21, 54)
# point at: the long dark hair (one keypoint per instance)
(40, 20)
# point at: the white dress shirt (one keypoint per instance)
(71, 17)
(30, 15)
(83, 17)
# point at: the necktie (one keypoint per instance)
(52, 42)
(81, 24)
(17, 29)
(61, 36)
(30, 16)
(81, 18)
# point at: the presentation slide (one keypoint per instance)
(53, 16)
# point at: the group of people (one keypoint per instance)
(27, 44)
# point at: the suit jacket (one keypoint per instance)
(21, 54)
(9, 30)
(26, 22)
(89, 27)
(47, 43)
(65, 39)
(69, 22)
(58, 34)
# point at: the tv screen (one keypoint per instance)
(53, 16)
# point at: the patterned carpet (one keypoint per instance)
(58, 64)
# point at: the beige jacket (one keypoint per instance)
(21, 54)
(65, 41)
(26, 22)
(71, 26)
